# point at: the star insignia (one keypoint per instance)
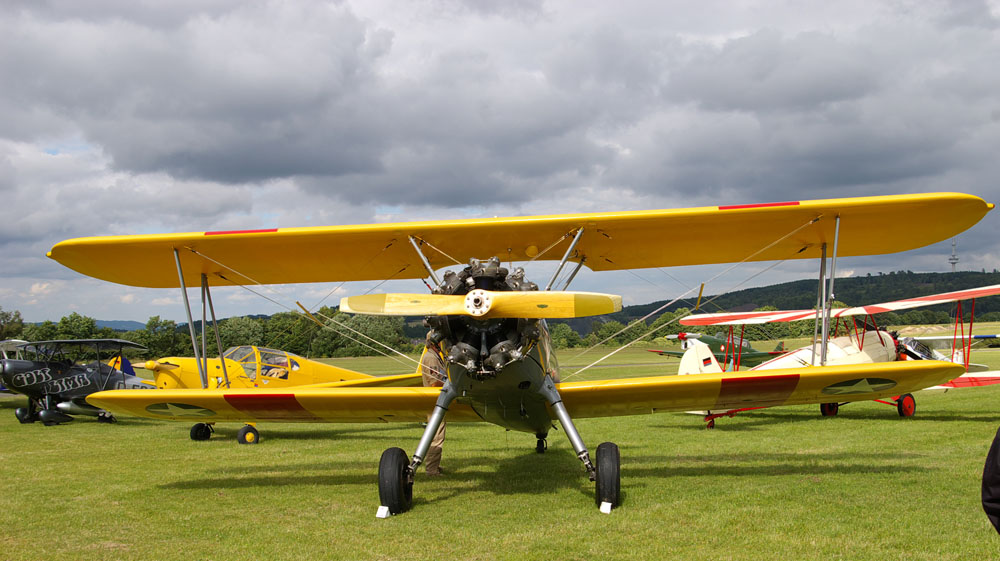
(179, 410)
(859, 386)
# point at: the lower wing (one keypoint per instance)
(600, 398)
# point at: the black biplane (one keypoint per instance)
(57, 377)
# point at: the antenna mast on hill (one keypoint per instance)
(954, 258)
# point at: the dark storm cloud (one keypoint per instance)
(249, 94)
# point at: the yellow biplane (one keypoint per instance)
(490, 321)
(250, 366)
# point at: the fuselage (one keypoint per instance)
(64, 381)
(511, 399)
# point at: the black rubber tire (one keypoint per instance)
(608, 480)
(906, 405)
(24, 416)
(395, 490)
(248, 435)
(710, 424)
(541, 446)
(201, 431)
(829, 409)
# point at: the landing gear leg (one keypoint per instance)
(607, 473)
(395, 475)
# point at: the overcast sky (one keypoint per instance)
(142, 116)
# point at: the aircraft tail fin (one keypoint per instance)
(780, 347)
(121, 363)
(698, 359)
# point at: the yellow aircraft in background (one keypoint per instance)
(250, 366)
(490, 320)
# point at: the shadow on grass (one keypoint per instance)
(770, 464)
(761, 419)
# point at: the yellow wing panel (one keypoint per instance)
(331, 405)
(630, 396)
(827, 384)
(611, 241)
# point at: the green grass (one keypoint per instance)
(778, 483)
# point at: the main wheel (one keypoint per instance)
(541, 445)
(608, 481)
(829, 409)
(906, 405)
(24, 416)
(395, 489)
(201, 431)
(248, 435)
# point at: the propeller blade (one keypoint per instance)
(486, 304)
(402, 304)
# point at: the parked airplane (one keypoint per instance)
(57, 376)
(250, 366)
(730, 351)
(490, 321)
(862, 344)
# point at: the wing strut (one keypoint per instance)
(215, 327)
(562, 263)
(187, 308)
(830, 296)
(427, 265)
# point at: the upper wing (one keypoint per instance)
(611, 241)
(740, 318)
(601, 398)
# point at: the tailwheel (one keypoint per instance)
(201, 431)
(395, 486)
(710, 424)
(248, 435)
(608, 480)
(829, 409)
(541, 445)
(906, 405)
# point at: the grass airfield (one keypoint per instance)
(776, 483)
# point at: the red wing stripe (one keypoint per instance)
(270, 406)
(759, 205)
(224, 232)
(759, 390)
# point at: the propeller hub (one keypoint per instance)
(478, 302)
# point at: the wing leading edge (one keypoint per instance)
(611, 241)
(601, 398)
(745, 318)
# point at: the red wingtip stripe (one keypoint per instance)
(223, 232)
(759, 205)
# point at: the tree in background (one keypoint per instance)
(11, 324)
(238, 331)
(162, 337)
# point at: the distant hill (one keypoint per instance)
(801, 294)
(120, 325)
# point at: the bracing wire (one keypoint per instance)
(661, 308)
